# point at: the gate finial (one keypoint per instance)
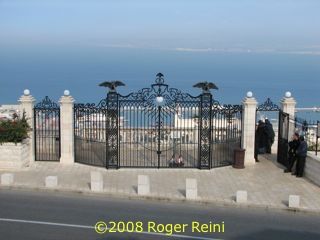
(206, 86)
(112, 85)
(159, 78)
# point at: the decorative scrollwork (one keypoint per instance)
(46, 103)
(231, 109)
(147, 96)
(227, 109)
(101, 105)
(268, 105)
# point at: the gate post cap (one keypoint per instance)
(26, 92)
(249, 94)
(66, 92)
(288, 94)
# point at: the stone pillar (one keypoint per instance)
(248, 128)
(67, 128)
(288, 105)
(26, 102)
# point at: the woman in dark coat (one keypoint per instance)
(260, 140)
(270, 135)
(261, 137)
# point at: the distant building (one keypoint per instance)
(8, 110)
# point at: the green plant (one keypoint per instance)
(14, 130)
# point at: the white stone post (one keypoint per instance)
(96, 181)
(191, 188)
(26, 102)
(288, 105)
(241, 196)
(66, 129)
(51, 181)
(248, 128)
(294, 201)
(7, 179)
(143, 185)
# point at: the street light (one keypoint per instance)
(159, 101)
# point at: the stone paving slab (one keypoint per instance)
(266, 184)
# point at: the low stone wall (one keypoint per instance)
(14, 156)
(312, 168)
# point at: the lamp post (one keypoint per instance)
(159, 102)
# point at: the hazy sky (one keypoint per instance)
(180, 25)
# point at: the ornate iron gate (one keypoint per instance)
(47, 130)
(155, 126)
(283, 135)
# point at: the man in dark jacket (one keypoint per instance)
(292, 153)
(301, 154)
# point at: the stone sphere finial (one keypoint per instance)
(26, 92)
(66, 92)
(288, 94)
(249, 94)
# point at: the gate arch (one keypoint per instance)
(280, 127)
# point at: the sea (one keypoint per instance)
(48, 71)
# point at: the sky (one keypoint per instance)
(265, 46)
(178, 25)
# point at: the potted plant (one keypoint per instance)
(14, 147)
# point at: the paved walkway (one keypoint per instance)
(265, 182)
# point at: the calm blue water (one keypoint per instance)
(49, 71)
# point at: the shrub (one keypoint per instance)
(14, 130)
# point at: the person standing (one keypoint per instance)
(270, 135)
(256, 145)
(180, 161)
(301, 154)
(292, 153)
(172, 161)
(261, 137)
